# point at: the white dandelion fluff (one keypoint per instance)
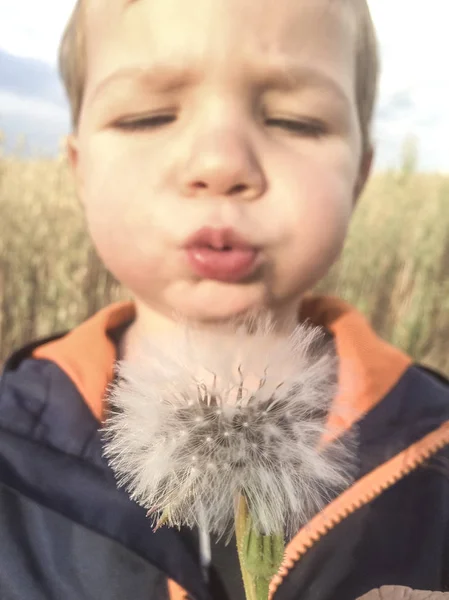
(201, 416)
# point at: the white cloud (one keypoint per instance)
(33, 28)
(414, 46)
(12, 104)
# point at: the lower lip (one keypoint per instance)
(222, 265)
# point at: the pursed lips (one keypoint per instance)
(221, 254)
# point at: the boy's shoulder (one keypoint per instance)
(408, 426)
(39, 402)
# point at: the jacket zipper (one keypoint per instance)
(371, 490)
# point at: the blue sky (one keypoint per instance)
(414, 90)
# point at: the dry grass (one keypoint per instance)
(395, 267)
(50, 276)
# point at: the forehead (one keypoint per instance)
(217, 33)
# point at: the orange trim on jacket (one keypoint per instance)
(87, 355)
(175, 591)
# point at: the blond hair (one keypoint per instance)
(72, 65)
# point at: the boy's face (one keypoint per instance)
(159, 155)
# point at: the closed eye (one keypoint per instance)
(144, 123)
(311, 129)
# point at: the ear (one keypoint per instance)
(364, 172)
(72, 151)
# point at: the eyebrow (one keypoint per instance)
(291, 77)
(167, 78)
(161, 77)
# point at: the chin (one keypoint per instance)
(216, 302)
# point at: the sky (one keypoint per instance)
(413, 98)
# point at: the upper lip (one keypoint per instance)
(218, 239)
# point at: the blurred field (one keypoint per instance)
(395, 267)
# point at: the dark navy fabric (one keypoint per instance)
(46, 556)
(416, 406)
(58, 492)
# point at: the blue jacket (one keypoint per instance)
(68, 533)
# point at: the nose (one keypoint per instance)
(223, 164)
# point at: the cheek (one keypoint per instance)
(316, 194)
(316, 223)
(121, 218)
(328, 202)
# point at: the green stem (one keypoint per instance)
(241, 522)
(260, 556)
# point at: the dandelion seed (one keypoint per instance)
(273, 395)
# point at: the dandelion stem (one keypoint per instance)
(241, 523)
(260, 555)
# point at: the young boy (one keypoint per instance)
(227, 124)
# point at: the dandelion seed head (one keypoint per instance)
(204, 416)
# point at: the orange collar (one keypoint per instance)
(369, 367)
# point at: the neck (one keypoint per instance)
(149, 322)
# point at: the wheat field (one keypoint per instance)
(395, 266)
